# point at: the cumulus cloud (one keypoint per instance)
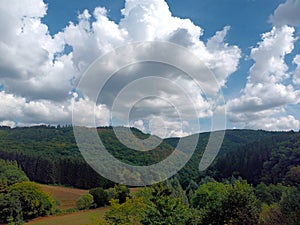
(283, 123)
(37, 74)
(30, 63)
(297, 71)
(268, 90)
(16, 111)
(287, 13)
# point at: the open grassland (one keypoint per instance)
(66, 196)
(87, 217)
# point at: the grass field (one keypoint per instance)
(66, 196)
(88, 217)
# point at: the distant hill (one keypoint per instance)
(267, 160)
(50, 155)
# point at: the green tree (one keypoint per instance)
(293, 176)
(271, 215)
(11, 173)
(290, 205)
(120, 192)
(209, 199)
(10, 209)
(221, 203)
(127, 213)
(166, 209)
(34, 201)
(3, 185)
(100, 196)
(269, 194)
(85, 202)
(242, 206)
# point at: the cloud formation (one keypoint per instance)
(287, 13)
(39, 74)
(268, 90)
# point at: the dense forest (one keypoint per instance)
(50, 155)
(255, 178)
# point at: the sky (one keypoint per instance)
(251, 47)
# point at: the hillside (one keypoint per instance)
(265, 161)
(50, 155)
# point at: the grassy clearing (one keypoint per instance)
(66, 196)
(88, 217)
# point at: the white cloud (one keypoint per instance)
(285, 123)
(30, 64)
(297, 71)
(8, 123)
(17, 111)
(287, 13)
(90, 114)
(37, 74)
(268, 89)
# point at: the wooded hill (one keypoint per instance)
(50, 155)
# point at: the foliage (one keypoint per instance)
(166, 208)
(85, 202)
(120, 192)
(10, 173)
(271, 215)
(266, 161)
(10, 209)
(100, 196)
(292, 177)
(128, 213)
(269, 194)
(290, 205)
(33, 200)
(50, 155)
(221, 203)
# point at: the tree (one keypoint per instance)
(11, 173)
(120, 192)
(3, 185)
(290, 205)
(292, 177)
(85, 202)
(271, 215)
(269, 194)
(209, 199)
(221, 203)
(190, 190)
(34, 201)
(166, 209)
(242, 206)
(128, 213)
(10, 209)
(100, 196)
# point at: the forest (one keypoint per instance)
(255, 178)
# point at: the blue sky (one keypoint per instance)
(247, 18)
(252, 47)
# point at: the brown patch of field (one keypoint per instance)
(66, 196)
(87, 217)
(134, 190)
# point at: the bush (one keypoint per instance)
(85, 202)
(100, 196)
(34, 202)
(120, 192)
